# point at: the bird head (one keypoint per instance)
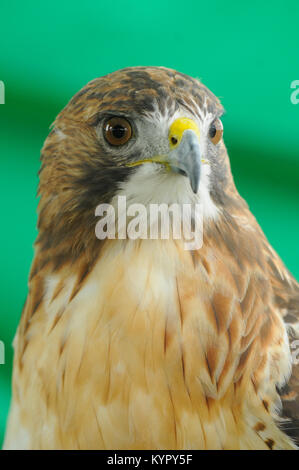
(149, 133)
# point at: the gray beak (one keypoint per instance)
(186, 159)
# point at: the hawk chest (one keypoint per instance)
(138, 358)
(133, 343)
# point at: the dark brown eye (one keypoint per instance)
(117, 131)
(216, 131)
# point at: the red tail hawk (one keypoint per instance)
(141, 344)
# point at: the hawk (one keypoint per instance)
(142, 344)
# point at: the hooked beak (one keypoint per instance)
(186, 158)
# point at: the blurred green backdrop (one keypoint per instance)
(246, 53)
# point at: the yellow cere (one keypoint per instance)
(176, 131)
(178, 127)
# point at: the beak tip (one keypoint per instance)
(195, 187)
(194, 179)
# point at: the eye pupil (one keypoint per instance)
(212, 131)
(118, 131)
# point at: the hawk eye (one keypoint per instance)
(216, 131)
(117, 131)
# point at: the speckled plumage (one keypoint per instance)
(141, 344)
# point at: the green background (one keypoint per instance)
(246, 53)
